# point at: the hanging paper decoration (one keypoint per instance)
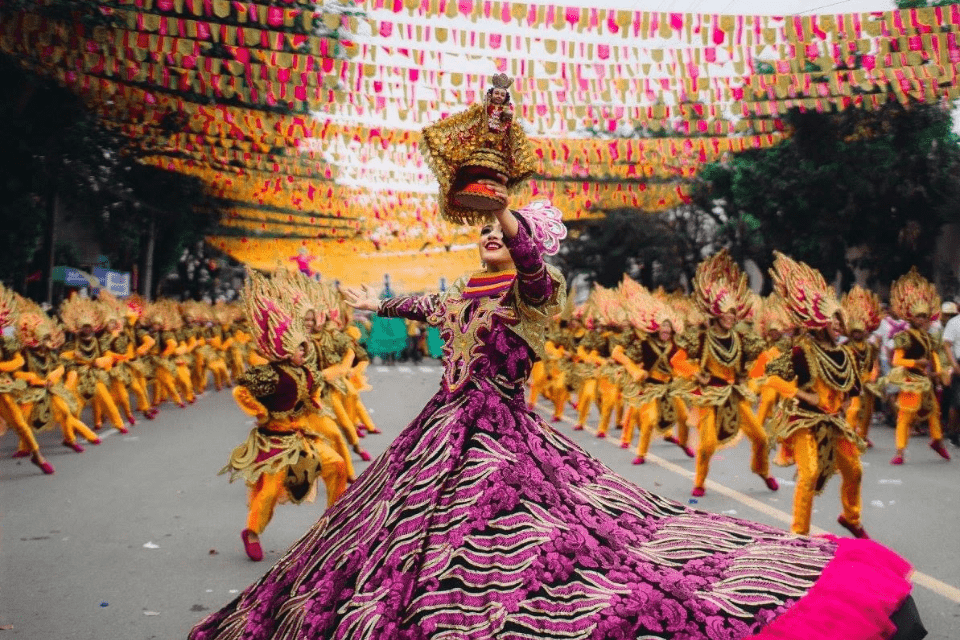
(306, 121)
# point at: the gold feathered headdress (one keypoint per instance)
(276, 323)
(720, 286)
(8, 307)
(112, 309)
(80, 312)
(647, 312)
(861, 309)
(772, 315)
(811, 302)
(913, 295)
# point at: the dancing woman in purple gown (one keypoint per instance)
(480, 521)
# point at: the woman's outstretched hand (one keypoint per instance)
(363, 298)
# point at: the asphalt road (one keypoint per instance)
(139, 538)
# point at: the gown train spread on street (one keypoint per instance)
(480, 521)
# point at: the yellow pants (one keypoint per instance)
(768, 399)
(165, 386)
(184, 382)
(707, 425)
(650, 416)
(138, 386)
(11, 414)
(804, 447)
(559, 395)
(585, 400)
(343, 418)
(538, 382)
(908, 406)
(859, 414)
(266, 493)
(608, 394)
(69, 424)
(103, 403)
(328, 429)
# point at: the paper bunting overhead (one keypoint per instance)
(304, 118)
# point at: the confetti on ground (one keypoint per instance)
(151, 545)
(151, 613)
(891, 481)
(877, 503)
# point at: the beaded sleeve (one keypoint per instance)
(418, 308)
(534, 283)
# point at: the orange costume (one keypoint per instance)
(915, 361)
(817, 376)
(282, 457)
(716, 361)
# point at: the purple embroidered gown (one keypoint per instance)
(480, 521)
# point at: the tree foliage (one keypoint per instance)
(883, 181)
(657, 249)
(52, 147)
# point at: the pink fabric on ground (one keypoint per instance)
(854, 598)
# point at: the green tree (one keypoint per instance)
(883, 181)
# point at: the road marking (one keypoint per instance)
(917, 577)
(426, 369)
(381, 369)
(404, 369)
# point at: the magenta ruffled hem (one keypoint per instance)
(860, 588)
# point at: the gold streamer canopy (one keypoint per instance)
(304, 119)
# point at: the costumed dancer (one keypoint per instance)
(184, 356)
(355, 379)
(334, 359)
(210, 352)
(774, 324)
(916, 365)
(84, 319)
(312, 305)
(140, 342)
(115, 343)
(717, 359)
(161, 344)
(283, 457)
(11, 388)
(862, 314)
(649, 385)
(613, 334)
(47, 400)
(587, 358)
(817, 376)
(481, 521)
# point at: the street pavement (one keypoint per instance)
(139, 538)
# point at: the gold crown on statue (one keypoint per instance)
(502, 81)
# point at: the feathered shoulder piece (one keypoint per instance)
(913, 295)
(78, 312)
(720, 286)
(861, 309)
(808, 297)
(276, 324)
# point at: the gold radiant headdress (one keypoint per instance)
(861, 309)
(79, 312)
(720, 286)
(912, 295)
(772, 315)
(811, 302)
(276, 323)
